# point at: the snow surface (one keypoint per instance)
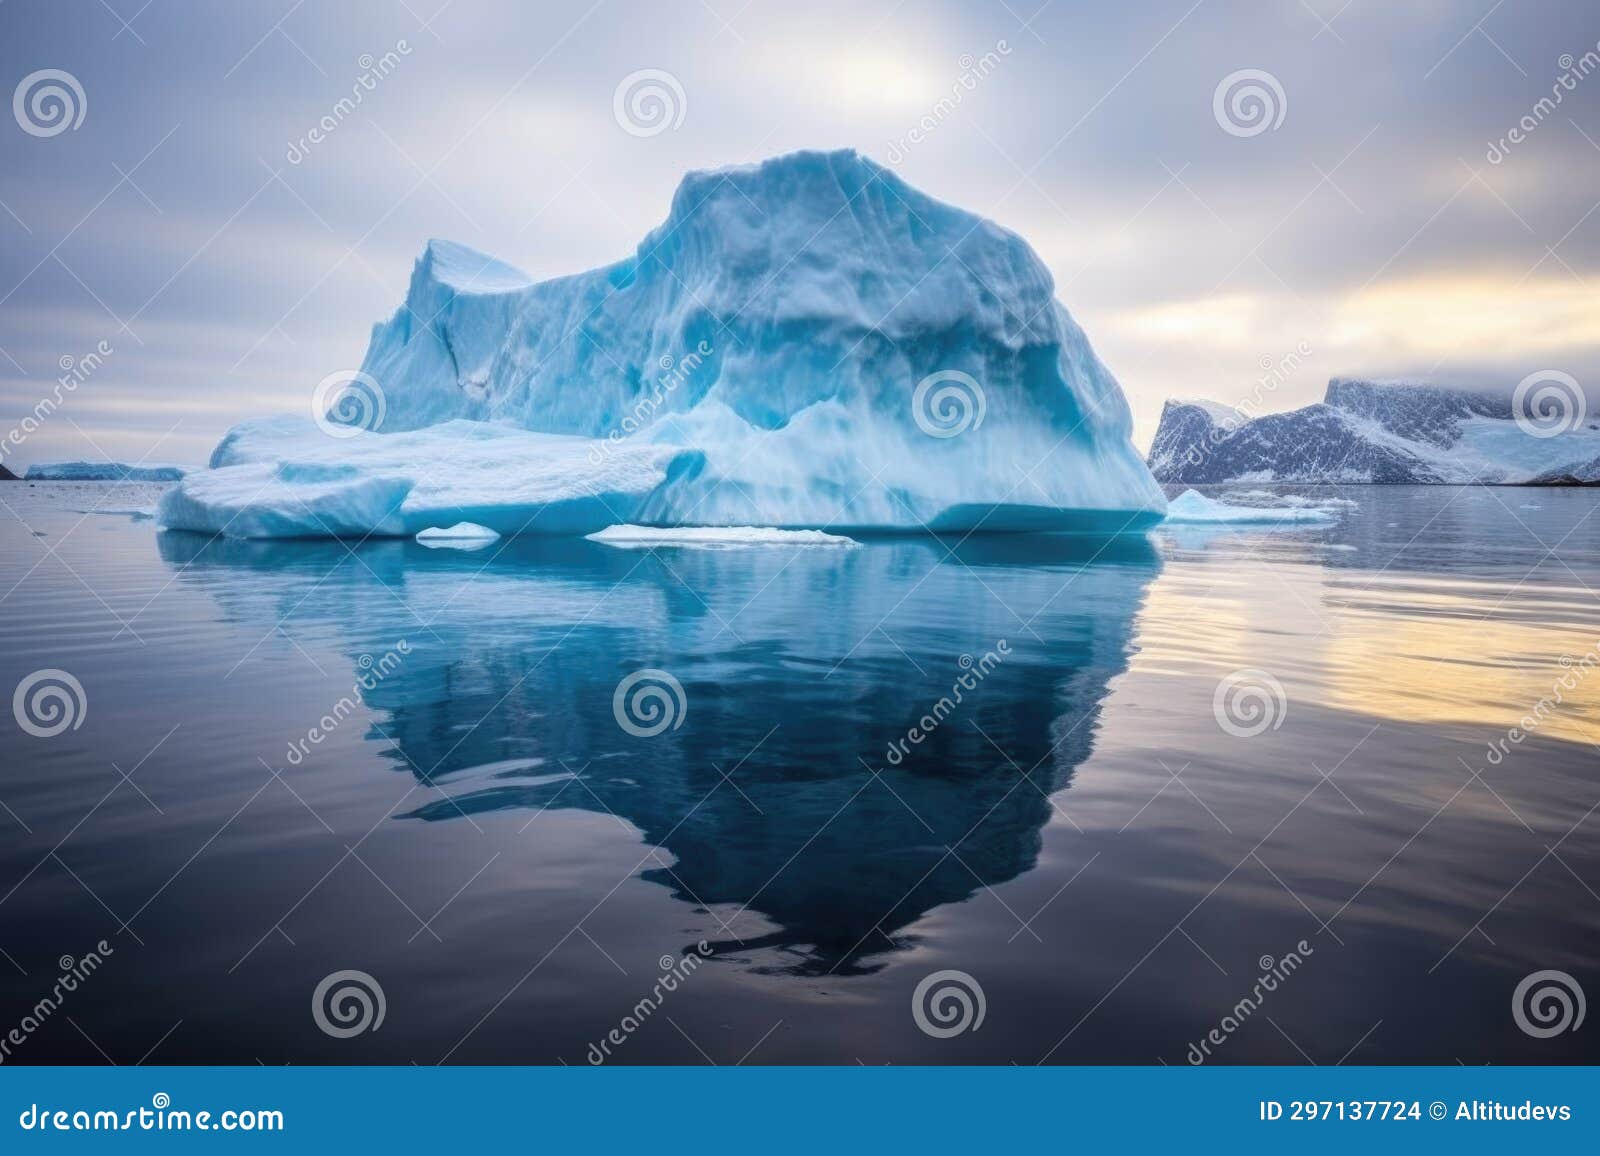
(1193, 508)
(769, 338)
(715, 537)
(104, 472)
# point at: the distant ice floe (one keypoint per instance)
(1193, 508)
(1268, 498)
(104, 472)
(715, 537)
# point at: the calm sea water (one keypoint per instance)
(1093, 835)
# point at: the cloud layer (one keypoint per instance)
(1420, 198)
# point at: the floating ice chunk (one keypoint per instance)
(715, 537)
(461, 536)
(1194, 508)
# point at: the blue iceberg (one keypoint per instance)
(807, 343)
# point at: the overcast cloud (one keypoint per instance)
(1369, 229)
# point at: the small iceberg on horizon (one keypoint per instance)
(104, 472)
(1192, 508)
(715, 537)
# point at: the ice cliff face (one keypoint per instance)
(833, 349)
(1380, 432)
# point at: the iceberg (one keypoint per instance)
(1385, 432)
(806, 343)
(104, 472)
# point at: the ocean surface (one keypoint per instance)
(1326, 793)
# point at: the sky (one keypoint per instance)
(196, 260)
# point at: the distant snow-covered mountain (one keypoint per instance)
(1393, 433)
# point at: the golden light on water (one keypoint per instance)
(1390, 646)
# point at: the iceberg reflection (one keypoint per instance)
(865, 735)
